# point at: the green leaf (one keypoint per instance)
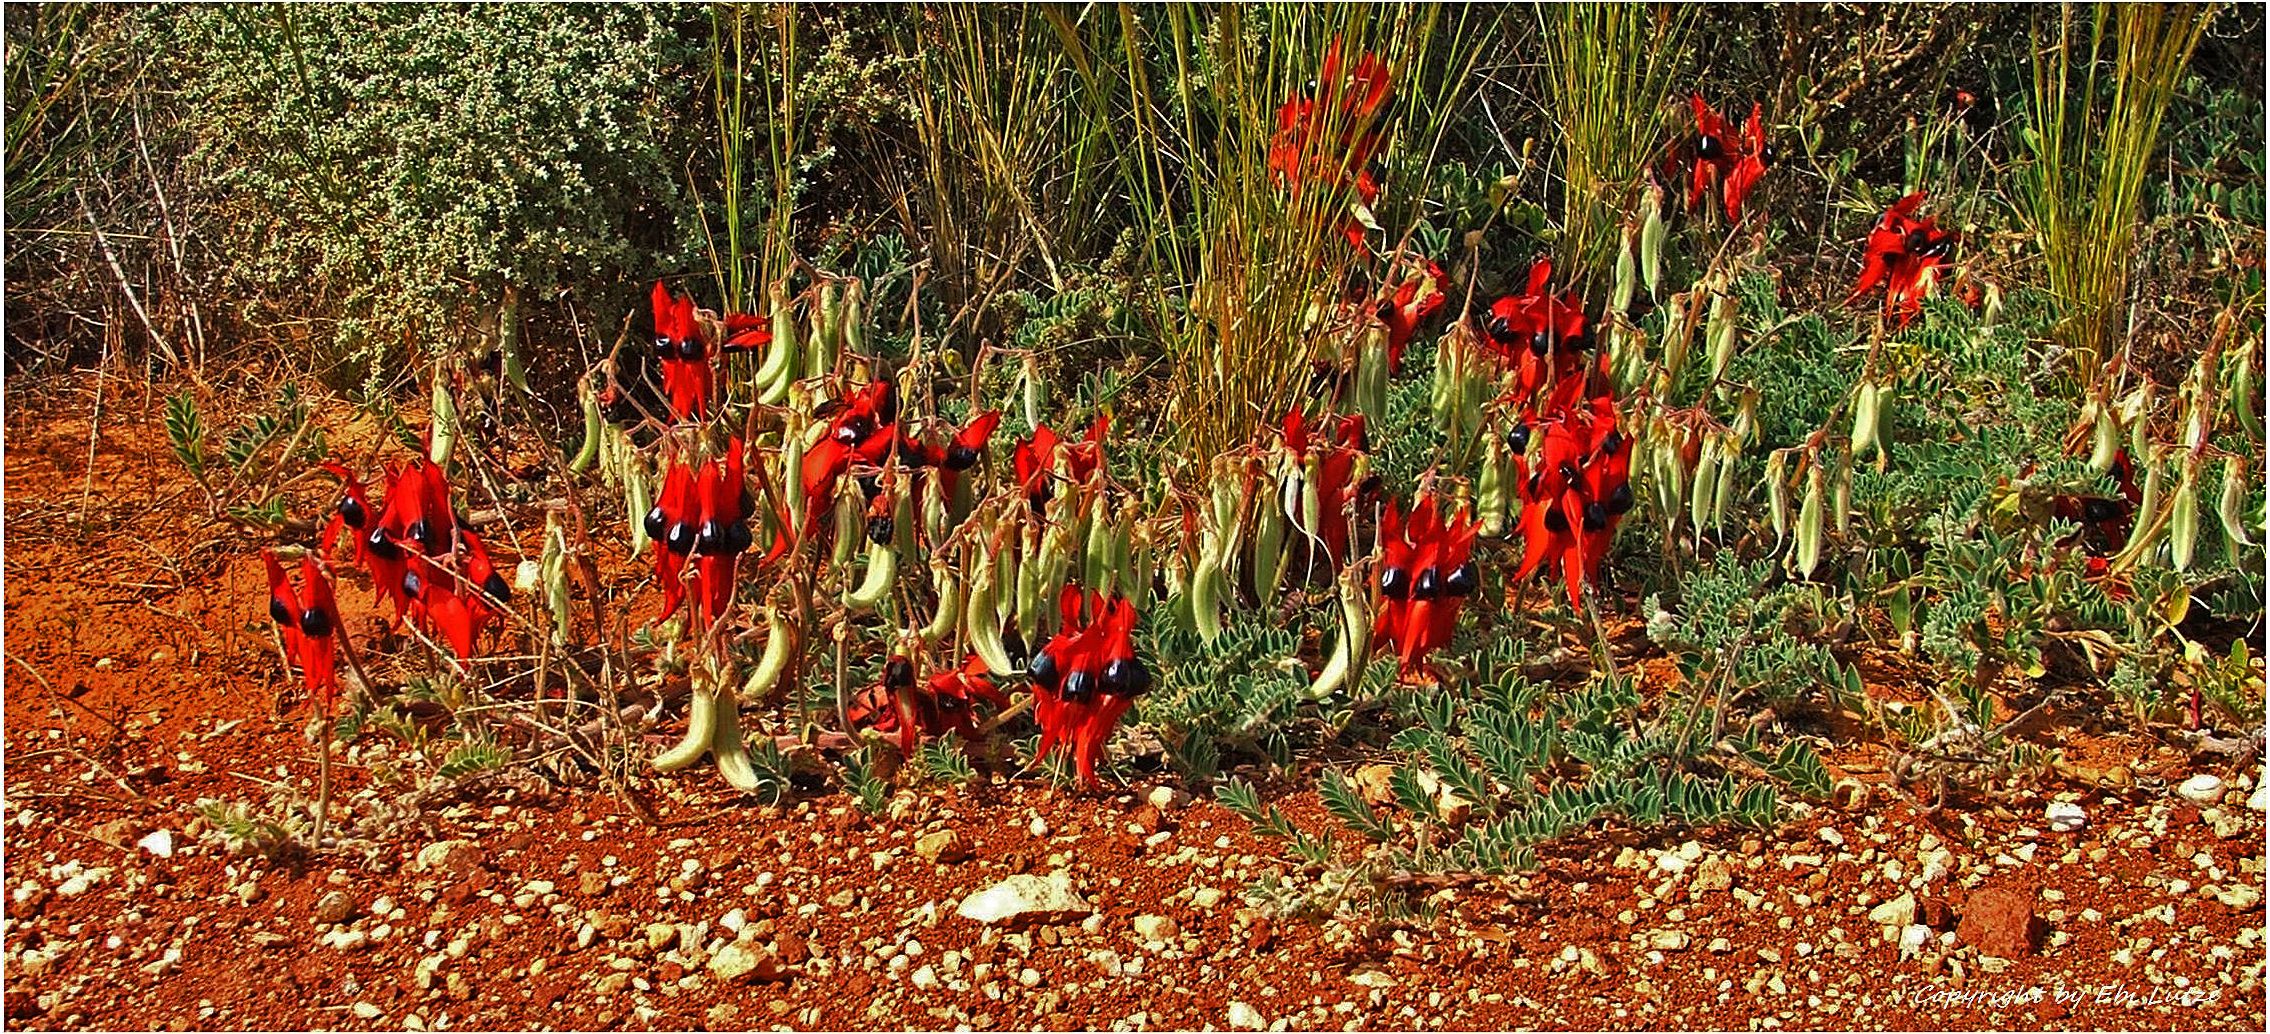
(1348, 805)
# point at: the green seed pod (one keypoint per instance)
(1809, 521)
(1676, 337)
(1268, 540)
(444, 437)
(1777, 496)
(2231, 507)
(553, 568)
(1627, 275)
(2183, 520)
(1035, 394)
(1491, 487)
(1841, 497)
(1725, 313)
(882, 571)
(1863, 417)
(2104, 438)
(855, 318)
(827, 331)
(636, 499)
(1705, 486)
(778, 370)
(1651, 234)
(593, 426)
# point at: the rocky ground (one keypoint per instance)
(2123, 889)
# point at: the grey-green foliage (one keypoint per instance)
(1239, 692)
(1733, 625)
(1533, 766)
(408, 162)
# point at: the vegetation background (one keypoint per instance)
(242, 198)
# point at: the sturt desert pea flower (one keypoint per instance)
(672, 525)
(1902, 251)
(1326, 449)
(722, 533)
(1426, 571)
(1417, 296)
(356, 517)
(683, 348)
(1333, 138)
(1545, 337)
(1086, 677)
(1038, 458)
(437, 572)
(458, 598)
(1735, 160)
(910, 709)
(862, 426)
(1575, 488)
(309, 622)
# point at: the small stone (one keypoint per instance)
(739, 963)
(1155, 929)
(1714, 874)
(1376, 783)
(1167, 798)
(1899, 911)
(2260, 800)
(1029, 977)
(2067, 817)
(1245, 1017)
(1452, 809)
(367, 1011)
(1668, 940)
(591, 883)
(660, 936)
(1039, 827)
(924, 979)
(1914, 938)
(334, 907)
(159, 843)
(2203, 788)
(943, 847)
(455, 859)
(1999, 921)
(1206, 897)
(1026, 899)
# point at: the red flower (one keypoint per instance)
(1902, 249)
(685, 357)
(946, 703)
(1036, 460)
(1719, 152)
(1414, 299)
(1426, 572)
(437, 573)
(702, 516)
(1574, 495)
(309, 622)
(862, 426)
(683, 348)
(1086, 677)
(373, 551)
(723, 532)
(1544, 336)
(1333, 465)
(1333, 137)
